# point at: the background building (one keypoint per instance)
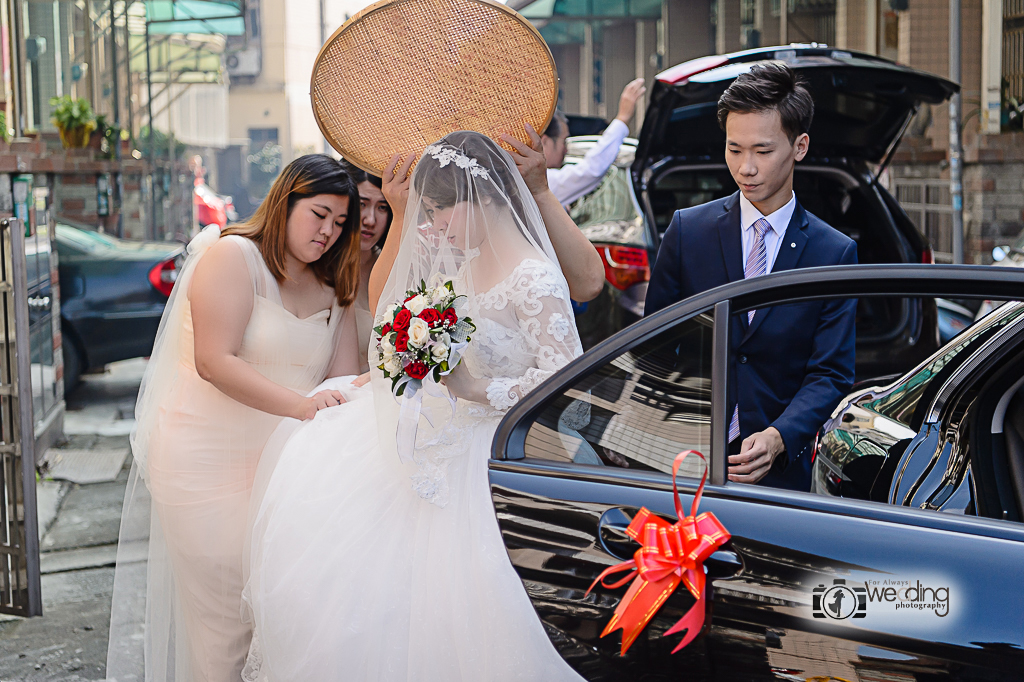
(601, 45)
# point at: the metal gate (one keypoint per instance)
(19, 529)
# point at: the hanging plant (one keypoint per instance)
(74, 119)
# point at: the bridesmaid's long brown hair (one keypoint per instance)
(308, 176)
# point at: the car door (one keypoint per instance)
(576, 460)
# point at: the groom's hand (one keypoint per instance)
(530, 161)
(757, 452)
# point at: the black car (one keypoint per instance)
(574, 461)
(863, 104)
(113, 293)
(948, 435)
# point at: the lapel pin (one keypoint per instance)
(792, 245)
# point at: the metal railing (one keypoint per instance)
(927, 202)
(19, 530)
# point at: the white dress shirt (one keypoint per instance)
(573, 180)
(773, 238)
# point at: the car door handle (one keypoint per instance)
(725, 563)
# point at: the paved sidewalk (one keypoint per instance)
(79, 526)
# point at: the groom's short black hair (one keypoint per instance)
(771, 86)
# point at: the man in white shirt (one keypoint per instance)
(569, 183)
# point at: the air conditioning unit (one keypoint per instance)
(244, 63)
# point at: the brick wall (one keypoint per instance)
(75, 173)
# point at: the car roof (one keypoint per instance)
(863, 103)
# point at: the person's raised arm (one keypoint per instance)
(579, 260)
(221, 300)
(395, 187)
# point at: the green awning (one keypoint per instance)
(225, 17)
(581, 10)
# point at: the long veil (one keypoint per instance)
(472, 220)
(142, 564)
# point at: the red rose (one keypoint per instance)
(449, 317)
(417, 370)
(385, 330)
(402, 342)
(430, 316)
(401, 322)
(409, 298)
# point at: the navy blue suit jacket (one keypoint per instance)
(792, 365)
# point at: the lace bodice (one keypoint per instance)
(525, 332)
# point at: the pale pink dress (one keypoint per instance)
(198, 455)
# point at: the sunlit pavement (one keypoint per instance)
(79, 526)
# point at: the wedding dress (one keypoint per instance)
(196, 452)
(368, 564)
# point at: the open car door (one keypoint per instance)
(809, 586)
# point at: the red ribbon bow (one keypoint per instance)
(669, 554)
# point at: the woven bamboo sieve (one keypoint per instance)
(402, 74)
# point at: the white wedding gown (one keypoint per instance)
(365, 568)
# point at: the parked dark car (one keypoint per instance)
(948, 435)
(113, 293)
(574, 461)
(863, 104)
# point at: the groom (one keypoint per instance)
(789, 366)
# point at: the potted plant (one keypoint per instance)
(74, 119)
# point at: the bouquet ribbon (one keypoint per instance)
(669, 554)
(412, 405)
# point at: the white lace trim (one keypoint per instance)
(431, 478)
(444, 155)
(253, 669)
(558, 327)
(501, 393)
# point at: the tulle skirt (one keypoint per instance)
(356, 577)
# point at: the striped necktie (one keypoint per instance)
(757, 265)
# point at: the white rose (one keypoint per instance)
(389, 312)
(392, 365)
(417, 303)
(438, 295)
(419, 332)
(386, 345)
(439, 352)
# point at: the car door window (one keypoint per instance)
(638, 409)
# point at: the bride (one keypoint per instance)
(368, 564)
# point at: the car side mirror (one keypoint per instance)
(1000, 253)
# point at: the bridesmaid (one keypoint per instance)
(259, 317)
(375, 219)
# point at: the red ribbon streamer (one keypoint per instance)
(669, 554)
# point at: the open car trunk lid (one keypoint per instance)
(862, 103)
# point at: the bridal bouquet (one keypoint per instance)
(423, 335)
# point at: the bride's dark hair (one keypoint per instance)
(450, 184)
(308, 176)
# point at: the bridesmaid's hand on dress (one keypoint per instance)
(361, 380)
(308, 407)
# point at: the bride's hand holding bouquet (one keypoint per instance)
(422, 336)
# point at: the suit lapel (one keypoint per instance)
(729, 234)
(793, 243)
